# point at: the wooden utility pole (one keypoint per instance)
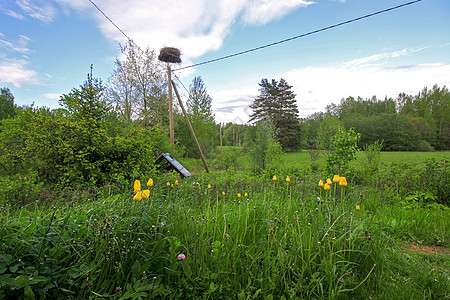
(220, 134)
(171, 126)
(190, 127)
(234, 139)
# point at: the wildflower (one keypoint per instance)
(239, 195)
(145, 194)
(137, 197)
(245, 194)
(326, 187)
(150, 182)
(329, 182)
(288, 179)
(321, 183)
(274, 178)
(358, 208)
(137, 186)
(171, 185)
(168, 183)
(342, 181)
(223, 193)
(176, 182)
(336, 178)
(209, 186)
(181, 256)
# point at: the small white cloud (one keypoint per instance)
(263, 11)
(13, 14)
(51, 96)
(16, 73)
(38, 9)
(20, 45)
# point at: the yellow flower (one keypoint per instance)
(137, 197)
(329, 181)
(168, 183)
(223, 193)
(145, 194)
(171, 185)
(150, 182)
(274, 178)
(239, 195)
(176, 182)
(336, 178)
(209, 186)
(342, 181)
(358, 208)
(326, 187)
(245, 194)
(288, 179)
(321, 183)
(137, 186)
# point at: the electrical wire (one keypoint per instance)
(111, 21)
(299, 36)
(267, 45)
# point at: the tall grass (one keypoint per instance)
(245, 237)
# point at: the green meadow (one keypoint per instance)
(233, 235)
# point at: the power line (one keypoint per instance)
(299, 36)
(111, 21)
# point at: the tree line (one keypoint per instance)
(105, 129)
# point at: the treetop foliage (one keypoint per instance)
(277, 103)
(7, 107)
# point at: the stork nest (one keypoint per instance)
(170, 55)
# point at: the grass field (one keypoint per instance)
(233, 235)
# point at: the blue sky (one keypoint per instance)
(47, 47)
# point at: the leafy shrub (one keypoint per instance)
(373, 155)
(345, 145)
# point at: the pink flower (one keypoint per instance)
(181, 256)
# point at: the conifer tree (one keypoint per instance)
(277, 102)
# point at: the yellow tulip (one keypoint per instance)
(288, 179)
(145, 194)
(223, 193)
(239, 195)
(137, 197)
(137, 186)
(329, 182)
(326, 187)
(245, 194)
(150, 182)
(358, 208)
(274, 178)
(321, 183)
(342, 181)
(209, 186)
(336, 178)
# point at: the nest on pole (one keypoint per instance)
(170, 55)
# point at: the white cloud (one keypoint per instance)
(19, 46)
(38, 9)
(51, 96)
(13, 14)
(317, 87)
(264, 11)
(195, 27)
(17, 73)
